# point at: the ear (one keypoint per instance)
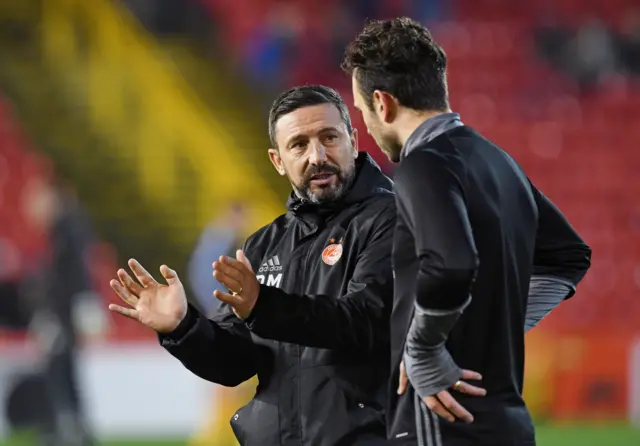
(354, 142)
(384, 106)
(274, 156)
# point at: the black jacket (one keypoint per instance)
(466, 210)
(318, 338)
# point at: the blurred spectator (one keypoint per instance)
(271, 48)
(589, 55)
(629, 41)
(552, 39)
(64, 306)
(13, 313)
(592, 57)
(222, 237)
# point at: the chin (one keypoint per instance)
(393, 155)
(326, 194)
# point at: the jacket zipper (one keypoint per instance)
(299, 348)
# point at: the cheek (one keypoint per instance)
(371, 123)
(296, 170)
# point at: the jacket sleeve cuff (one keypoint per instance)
(265, 311)
(183, 328)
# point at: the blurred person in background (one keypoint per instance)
(552, 39)
(13, 315)
(629, 42)
(311, 318)
(592, 57)
(480, 255)
(223, 236)
(64, 306)
(272, 47)
(590, 54)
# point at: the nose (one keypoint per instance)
(318, 153)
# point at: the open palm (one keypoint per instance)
(158, 306)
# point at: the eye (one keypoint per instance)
(331, 138)
(298, 145)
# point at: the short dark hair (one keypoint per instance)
(305, 96)
(401, 58)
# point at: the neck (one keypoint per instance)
(410, 120)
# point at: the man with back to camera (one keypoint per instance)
(313, 324)
(480, 255)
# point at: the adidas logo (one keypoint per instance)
(271, 265)
(270, 272)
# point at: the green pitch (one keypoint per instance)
(27, 440)
(547, 435)
(587, 435)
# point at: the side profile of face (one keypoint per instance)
(379, 119)
(316, 152)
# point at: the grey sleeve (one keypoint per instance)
(545, 293)
(429, 366)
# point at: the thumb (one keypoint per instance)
(243, 258)
(169, 275)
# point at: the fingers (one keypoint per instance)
(403, 381)
(233, 264)
(436, 407)
(453, 407)
(468, 389)
(471, 375)
(126, 312)
(124, 293)
(227, 275)
(230, 267)
(227, 298)
(243, 259)
(141, 274)
(169, 275)
(231, 284)
(131, 285)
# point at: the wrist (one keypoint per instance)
(183, 326)
(430, 371)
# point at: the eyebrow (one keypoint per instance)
(300, 136)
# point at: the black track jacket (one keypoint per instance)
(318, 338)
(465, 210)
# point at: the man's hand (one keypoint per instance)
(238, 276)
(443, 403)
(160, 307)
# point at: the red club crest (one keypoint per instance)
(332, 253)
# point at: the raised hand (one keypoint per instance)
(238, 276)
(443, 403)
(158, 306)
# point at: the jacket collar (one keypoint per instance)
(430, 129)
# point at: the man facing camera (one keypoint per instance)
(309, 295)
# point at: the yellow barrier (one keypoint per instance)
(132, 93)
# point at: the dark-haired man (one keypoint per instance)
(311, 316)
(479, 252)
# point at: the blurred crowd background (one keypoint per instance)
(138, 128)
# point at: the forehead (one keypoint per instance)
(308, 120)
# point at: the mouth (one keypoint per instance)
(322, 179)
